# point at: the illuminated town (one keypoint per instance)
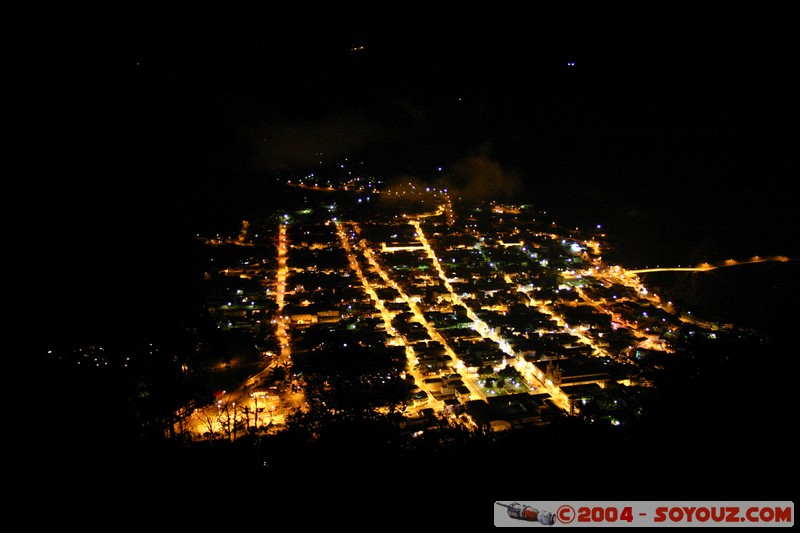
(343, 265)
(489, 316)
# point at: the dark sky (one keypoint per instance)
(676, 125)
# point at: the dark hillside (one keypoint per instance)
(759, 296)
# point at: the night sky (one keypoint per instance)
(138, 125)
(673, 127)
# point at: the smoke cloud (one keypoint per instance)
(479, 178)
